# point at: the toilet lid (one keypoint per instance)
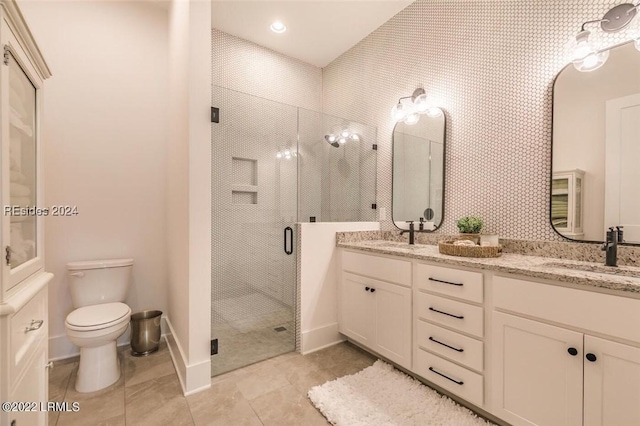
(96, 315)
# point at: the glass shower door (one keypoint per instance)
(254, 164)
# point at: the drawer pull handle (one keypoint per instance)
(446, 313)
(367, 289)
(444, 344)
(457, 382)
(591, 357)
(35, 325)
(49, 365)
(445, 282)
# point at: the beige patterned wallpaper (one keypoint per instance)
(491, 66)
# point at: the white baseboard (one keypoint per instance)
(61, 348)
(193, 378)
(320, 338)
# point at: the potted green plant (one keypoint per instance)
(470, 227)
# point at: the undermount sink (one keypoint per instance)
(600, 269)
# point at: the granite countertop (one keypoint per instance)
(622, 278)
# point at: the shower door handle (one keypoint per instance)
(288, 231)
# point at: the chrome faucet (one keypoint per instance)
(614, 236)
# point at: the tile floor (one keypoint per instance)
(271, 392)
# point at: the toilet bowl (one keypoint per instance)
(98, 289)
(95, 330)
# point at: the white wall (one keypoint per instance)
(104, 136)
(319, 282)
(188, 204)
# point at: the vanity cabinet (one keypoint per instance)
(549, 374)
(23, 281)
(529, 352)
(449, 329)
(376, 313)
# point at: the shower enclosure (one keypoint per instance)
(272, 168)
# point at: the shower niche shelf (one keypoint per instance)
(244, 189)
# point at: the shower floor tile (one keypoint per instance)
(246, 331)
(236, 349)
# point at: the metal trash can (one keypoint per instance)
(145, 332)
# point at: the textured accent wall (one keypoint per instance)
(244, 66)
(490, 65)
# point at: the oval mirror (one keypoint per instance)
(418, 173)
(595, 182)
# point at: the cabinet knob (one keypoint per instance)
(367, 289)
(572, 351)
(591, 357)
(373, 290)
(49, 365)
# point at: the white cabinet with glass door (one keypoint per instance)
(567, 203)
(23, 283)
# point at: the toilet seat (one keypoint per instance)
(98, 317)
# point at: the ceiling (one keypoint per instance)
(317, 31)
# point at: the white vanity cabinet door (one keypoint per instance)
(357, 316)
(393, 322)
(32, 387)
(377, 315)
(535, 379)
(611, 384)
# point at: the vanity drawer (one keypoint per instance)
(382, 268)
(452, 282)
(451, 345)
(457, 380)
(450, 313)
(615, 316)
(23, 343)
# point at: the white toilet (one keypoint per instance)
(98, 288)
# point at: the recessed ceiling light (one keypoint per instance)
(278, 27)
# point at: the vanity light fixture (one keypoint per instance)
(585, 54)
(409, 108)
(278, 27)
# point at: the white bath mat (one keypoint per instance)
(383, 396)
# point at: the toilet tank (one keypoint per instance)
(99, 281)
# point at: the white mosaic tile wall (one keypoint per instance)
(490, 65)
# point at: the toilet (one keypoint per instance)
(98, 290)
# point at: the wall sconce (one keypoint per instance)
(409, 108)
(342, 137)
(584, 52)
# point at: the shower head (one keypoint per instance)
(332, 140)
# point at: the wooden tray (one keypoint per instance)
(447, 247)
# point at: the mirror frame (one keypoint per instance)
(444, 173)
(553, 102)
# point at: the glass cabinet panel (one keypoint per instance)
(22, 165)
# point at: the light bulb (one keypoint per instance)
(287, 152)
(592, 62)
(399, 112)
(342, 140)
(278, 154)
(345, 134)
(421, 103)
(433, 112)
(278, 27)
(412, 118)
(330, 138)
(355, 137)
